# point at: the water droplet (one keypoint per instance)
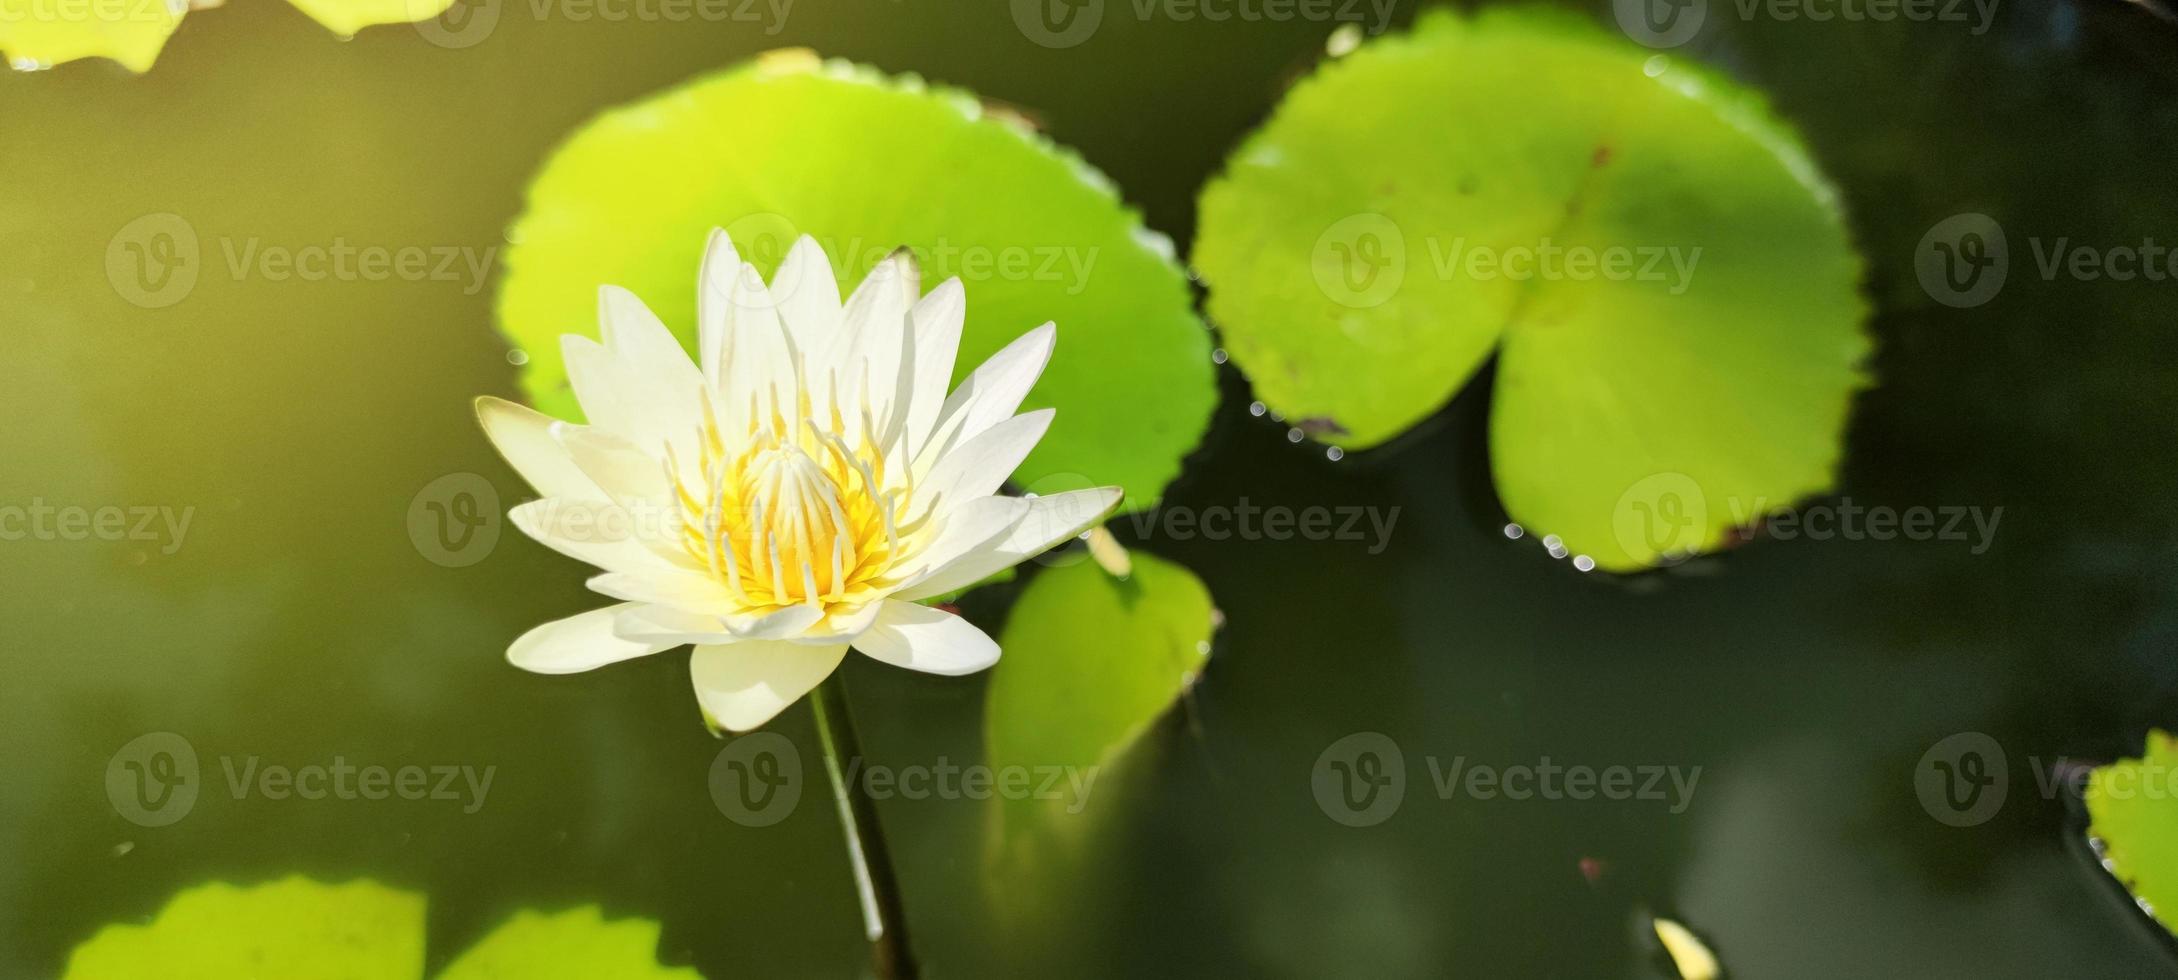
(1334, 454)
(518, 357)
(1655, 65)
(1219, 356)
(1551, 541)
(1278, 416)
(1584, 563)
(1257, 409)
(1344, 40)
(1294, 435)
(1514, 531)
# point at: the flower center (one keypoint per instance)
(791, 518)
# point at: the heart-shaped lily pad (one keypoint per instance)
(864, 163)
(1662, 272)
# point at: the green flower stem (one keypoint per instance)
(883, 919)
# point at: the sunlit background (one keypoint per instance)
(295, 619)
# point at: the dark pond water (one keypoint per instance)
(1805, 679)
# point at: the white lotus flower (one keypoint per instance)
(792, 495)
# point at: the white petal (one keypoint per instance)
(763, 363)
(938, 319)
(714, 304)
(621, 400)
(670, 587)
(578, 643)
(973, 525)
(841, 623)
(779, 624)
(743, 685)
(808, 295)
(665, 624)
(868, 358)
(930, 640)
(524, 436)
(594, 531)
(615, 465)
(1049, 520)
(991, 393)
(640, 340)
(978, 467)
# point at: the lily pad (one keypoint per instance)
(2132, 807)
(1661, 271)
(866, 163)
(41, 33)
(299, 929)
(37, 34)
(295, 929)
(1091, 663)
(578, 944)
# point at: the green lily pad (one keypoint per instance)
(295, 929)
(865, 163)
(37, 34)
(345, 17)
(298, 929)
(1091, 663)
(578, 944)
(2132, 808)
(42, 33)
(1429, 199)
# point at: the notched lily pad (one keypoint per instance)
(1661, 271)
